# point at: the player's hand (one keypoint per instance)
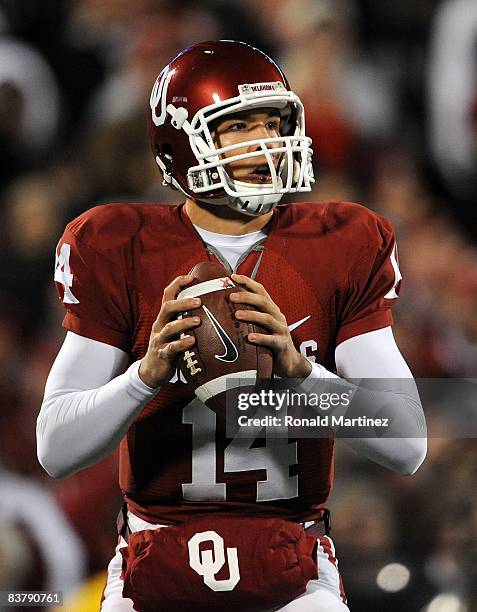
(287, 361)
(159, 363)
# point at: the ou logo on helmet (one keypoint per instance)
(207, 563)
(159, 94)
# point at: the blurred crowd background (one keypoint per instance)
(390, 91)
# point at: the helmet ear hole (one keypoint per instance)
(165, 153)
(164, 160)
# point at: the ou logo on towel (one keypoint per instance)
(207, 562)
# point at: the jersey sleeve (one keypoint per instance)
(373, 285)
(93, 289)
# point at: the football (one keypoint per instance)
(221, 351)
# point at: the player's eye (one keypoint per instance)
(274, 126)
(239, 125)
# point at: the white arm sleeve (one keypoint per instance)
(88, 405)
(371, 355)
(375, 355)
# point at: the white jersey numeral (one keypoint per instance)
(207, 563)
(275, 458)
(204, 484)
(63, 273)
(391, 294)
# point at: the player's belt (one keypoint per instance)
(318, 527)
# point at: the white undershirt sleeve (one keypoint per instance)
(371, 355)
(89, 404)
(374, 356)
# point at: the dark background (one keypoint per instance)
(390, 90)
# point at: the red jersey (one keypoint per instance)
(330, 265)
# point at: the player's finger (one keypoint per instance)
(171, 308)
(272, 341)
(259, 301)
(170, 351)
(250, 284)
(171, 291)
(174, 328)
(262, 318)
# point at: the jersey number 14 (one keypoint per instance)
(275, 458)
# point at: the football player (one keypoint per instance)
(226, 130)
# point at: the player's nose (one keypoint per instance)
(261, 129)
(261, 132)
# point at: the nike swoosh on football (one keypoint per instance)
(231, 353)
(298, 323)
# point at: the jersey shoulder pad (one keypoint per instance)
(353, 225)
(110, 226)
(363, 223)
(107, 226)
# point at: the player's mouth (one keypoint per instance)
(260, 174)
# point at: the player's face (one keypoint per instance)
(245, 126)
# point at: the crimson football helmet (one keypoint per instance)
(215, 80)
